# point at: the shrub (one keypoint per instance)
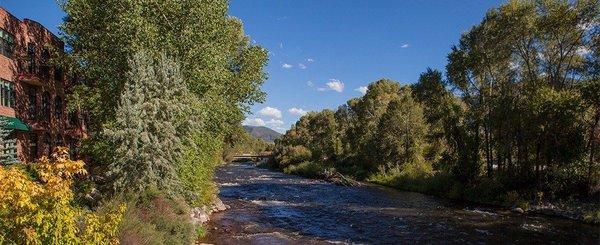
(306, 169)
(196, 168)
(592, 217)
(153, 218)
(289, 155)
(413, 176)
(36, 205)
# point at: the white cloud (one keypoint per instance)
(336, 85)
(302, 66)
(583, 51)
(275, 123)
(361, 89)
(286, 66)
(406, 45)
(253, 122)
(270, 112)
(321, 89)
(281, 45)
(310, 84)
(297, 111)
(310, 60)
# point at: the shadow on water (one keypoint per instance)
(269, 207)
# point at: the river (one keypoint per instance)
(269, 207)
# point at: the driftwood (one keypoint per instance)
(339, 179)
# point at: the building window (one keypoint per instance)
(32, 102)
(7, 93)
(58, 75)
(33, 146)
(45, 113)
(6, 43)
(31, 58)
(58, 107)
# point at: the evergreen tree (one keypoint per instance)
(153, 124)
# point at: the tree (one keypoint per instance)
(521, 52)
(400, 137)
(369, 110)
(217, 62)
(154, 120)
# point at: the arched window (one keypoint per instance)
(32, 102)
(45, 113)
(58, 107)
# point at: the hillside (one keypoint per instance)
(263, 133)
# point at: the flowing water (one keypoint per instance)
(269, 207)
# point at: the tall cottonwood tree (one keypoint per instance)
(400, 136)
(517, 71)
(218, 63)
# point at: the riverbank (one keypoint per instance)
(270, 207)
(443, 186)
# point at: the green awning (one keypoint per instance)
(15, 123)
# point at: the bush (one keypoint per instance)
(153, 218)
(592, 217)
(196, 169)
(36, 205)
(306, 169)
(289, 155)
(413, 176)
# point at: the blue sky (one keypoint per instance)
(322, 52)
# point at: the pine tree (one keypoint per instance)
(152, 125)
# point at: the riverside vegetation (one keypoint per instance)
(514, 121)
(164, 86)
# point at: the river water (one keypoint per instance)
(269, 207)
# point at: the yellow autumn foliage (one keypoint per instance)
(36, 205)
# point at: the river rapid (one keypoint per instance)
(269, 207)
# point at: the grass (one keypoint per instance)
(156, 219)
(306, 169)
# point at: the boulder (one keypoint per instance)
(218, 205)
(199, 216)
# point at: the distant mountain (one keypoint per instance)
(263, 133)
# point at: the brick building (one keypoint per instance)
(33, 92)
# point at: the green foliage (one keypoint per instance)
(289, 155)
(592, 217)
(241, 142)
(153, 124)
(307, 169)
(400, 136)
(196, 167)
(217, 60)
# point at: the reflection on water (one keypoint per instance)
(269, 207)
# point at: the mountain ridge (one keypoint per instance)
(262, 132)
